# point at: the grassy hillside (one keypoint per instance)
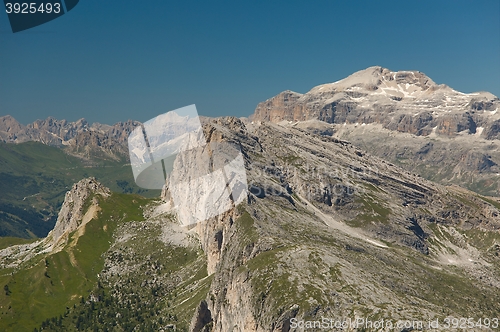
(146, 284)
(48, 284)
(34, 179)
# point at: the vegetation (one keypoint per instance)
(10, 241)
(159, 285)
(370, 210)
(47, 284)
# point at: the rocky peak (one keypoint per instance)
(121, 130)
(9, 125)
(51, 123)
(377, 77)
(75, 211)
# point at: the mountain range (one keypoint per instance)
(79, 137)
(337, 224)
(326, 231)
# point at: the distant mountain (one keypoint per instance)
(327, 231)
(406, 101)
(407, 119)
(79, 138)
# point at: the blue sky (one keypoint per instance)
(110, 61)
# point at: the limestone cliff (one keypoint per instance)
(268, 254)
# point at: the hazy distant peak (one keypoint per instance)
(8, 119)
(8, 125)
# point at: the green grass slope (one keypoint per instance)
(48, 284)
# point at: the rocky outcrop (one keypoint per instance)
(78, 208)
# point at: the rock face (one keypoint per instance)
(10, 128)
(193, 164)
(404, 101)
(103, 140)
(75, 211)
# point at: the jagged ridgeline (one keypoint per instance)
(327, 231)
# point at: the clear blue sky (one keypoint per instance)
(110, 61)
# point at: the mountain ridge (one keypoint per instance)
(78, 137)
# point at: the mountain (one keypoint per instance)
(327, 231)
(405, 101)
(46, 277)
(47, 158)
(405, 118)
